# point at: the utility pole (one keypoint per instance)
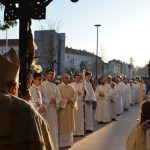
(96, 63)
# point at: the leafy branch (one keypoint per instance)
(7, 25)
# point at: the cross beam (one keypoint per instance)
(24, 10)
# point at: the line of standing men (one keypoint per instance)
(63, 106)
(59, 103)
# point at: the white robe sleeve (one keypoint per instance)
(45, 101)
(63, 103)
(97, 93)
(58, 97)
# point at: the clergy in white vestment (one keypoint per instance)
(66, 112)
(102, 109)
(79, 114)
(51, 98)
(35, 93)
(113, 96)
(122, 91)
(108, 80)
(119, 102)
(137, 91)
(132, 91)
(127, 94)
(89, 98)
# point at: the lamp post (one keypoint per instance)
(96, 25)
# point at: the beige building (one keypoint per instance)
(51, 47)
(117, 67)
(77, 60)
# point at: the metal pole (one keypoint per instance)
(97, 25)
(96, 51)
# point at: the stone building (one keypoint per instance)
(6, 45)
(117, 67)
(50, 49)
(78, 60)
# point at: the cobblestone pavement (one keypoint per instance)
(111, 136)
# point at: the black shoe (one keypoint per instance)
(100, 122)
(65, 147)
(114, 119)
(106, 122)
(78, 135)
(89, 131)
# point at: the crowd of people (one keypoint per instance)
(58, 110)
(67, 103)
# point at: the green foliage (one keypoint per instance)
(7, 25)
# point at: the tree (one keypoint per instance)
(48, 42)
(5, 25)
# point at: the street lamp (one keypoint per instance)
(74, 1)
(97, 25)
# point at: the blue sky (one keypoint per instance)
(125, 30)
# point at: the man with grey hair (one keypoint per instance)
(66, 112)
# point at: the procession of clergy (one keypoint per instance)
(67, 105)
(53, 111)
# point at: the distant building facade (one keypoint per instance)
(117, 67)
(50, 49)
(5, 46)
(79, 60)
